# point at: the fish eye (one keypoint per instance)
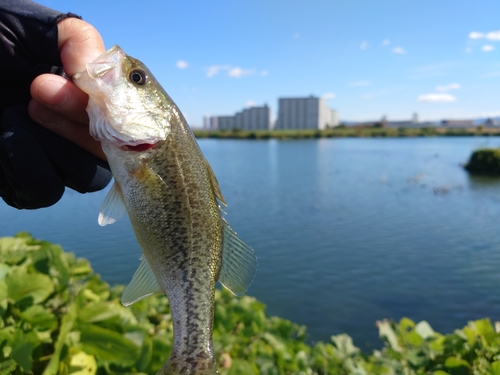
(138, 76)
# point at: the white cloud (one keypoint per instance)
(487, 48)
(215, 69)
(232, 71)
(360, 84)
(398, 50)
(475, 35)
(237, 72)
(492, 35)
(264, 73)
(386, 42)
(181, 64)
(468, 50)
(250, 103)
(366, 96)
(436, 98)
(329, 95)
(451, 86)
(363, 45)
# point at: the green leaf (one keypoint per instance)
(454, 362)
(146, 355)
(424, 330)
(22, 349)
(82, 364)
(385, 330)
(39, 317)
(494, 368)
(107, 345)
(7, 367)
(23, 285)
(66, 326)
(242, 367)
(12, 250)
(96, 311)
(344, 345)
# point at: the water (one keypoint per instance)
(347, 231)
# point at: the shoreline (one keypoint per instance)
(343, 132)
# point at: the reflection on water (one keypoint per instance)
(347, 231)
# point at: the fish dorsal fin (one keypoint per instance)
(143, 284)
(112, 208)
(239, 263)
(214, 183)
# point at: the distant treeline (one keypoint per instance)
(346, 131)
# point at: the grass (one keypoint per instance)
(343, 131)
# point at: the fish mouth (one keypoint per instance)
(105, 68)
(109, 62)
(141, 147)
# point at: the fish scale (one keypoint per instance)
(172, 197)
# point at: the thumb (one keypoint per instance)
(79, 43)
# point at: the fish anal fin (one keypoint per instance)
(112, 208)
(239, 262)
(143, 284)
(214, 183)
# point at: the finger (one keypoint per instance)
(75, 132)
(61, 97)
(79, 43)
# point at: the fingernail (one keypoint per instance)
(47, 117)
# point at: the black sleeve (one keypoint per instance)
(35, 164)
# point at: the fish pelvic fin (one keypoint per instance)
(214, 183)
(239, 262)
(112, 208)
(143, 284)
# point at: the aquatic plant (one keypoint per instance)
(58, 317)
(484, 161)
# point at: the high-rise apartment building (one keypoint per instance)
(305, 113)
(253, 118)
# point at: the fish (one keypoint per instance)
(172, 197)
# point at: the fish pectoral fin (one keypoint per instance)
(214, 183)
(239, 262)
(112, 208)
(143, 284)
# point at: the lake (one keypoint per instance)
(347, 231)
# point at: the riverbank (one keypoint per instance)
(58, 317)
(340, 132)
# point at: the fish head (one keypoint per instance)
(126, 104)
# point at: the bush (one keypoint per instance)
(484, 161)
(58, 317)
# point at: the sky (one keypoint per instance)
(366, 58)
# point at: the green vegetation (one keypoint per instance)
(58, 317)
(485, 161)
(346, 131)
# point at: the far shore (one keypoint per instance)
(341, 131)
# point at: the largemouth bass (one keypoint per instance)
(172, 197)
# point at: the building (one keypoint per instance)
(458, 123)
(384, 122)
(253, 118)
(305, 113)
(491, 123)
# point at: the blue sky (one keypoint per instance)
(367, 58)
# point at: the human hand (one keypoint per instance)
(37, 164)
(57, 104)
